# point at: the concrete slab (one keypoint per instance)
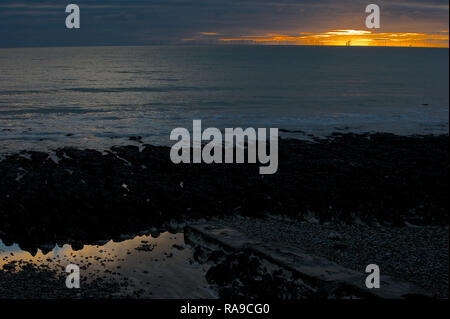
(314, 270)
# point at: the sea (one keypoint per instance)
(97, 97)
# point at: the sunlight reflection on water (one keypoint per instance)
(154, 265)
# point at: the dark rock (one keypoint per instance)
(82, 198)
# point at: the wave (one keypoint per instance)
(149, 89)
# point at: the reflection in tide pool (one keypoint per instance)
(160, 267)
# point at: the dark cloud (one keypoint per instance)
(120, 22)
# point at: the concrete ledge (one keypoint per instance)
(314, 270)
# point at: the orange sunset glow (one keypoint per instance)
(349, 37)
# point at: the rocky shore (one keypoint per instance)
(415, 254)
(32, 282)
(81, 196)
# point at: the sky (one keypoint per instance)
(37, 23)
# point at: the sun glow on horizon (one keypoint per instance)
(348, 37)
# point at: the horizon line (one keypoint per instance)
(219, 44)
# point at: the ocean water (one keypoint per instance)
(96, 97)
